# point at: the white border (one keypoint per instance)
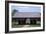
(30, 28)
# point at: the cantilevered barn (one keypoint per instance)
(22, 18)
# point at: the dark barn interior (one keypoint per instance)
(22, 21)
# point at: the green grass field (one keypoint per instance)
(20, 26)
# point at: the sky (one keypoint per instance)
(26, 8)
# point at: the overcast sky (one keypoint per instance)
(26, 8)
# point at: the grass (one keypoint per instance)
(20, 26)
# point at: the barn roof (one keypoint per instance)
(26, 14)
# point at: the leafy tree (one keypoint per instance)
(14, 11)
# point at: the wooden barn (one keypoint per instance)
(23, 18)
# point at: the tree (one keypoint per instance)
(14, 11)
